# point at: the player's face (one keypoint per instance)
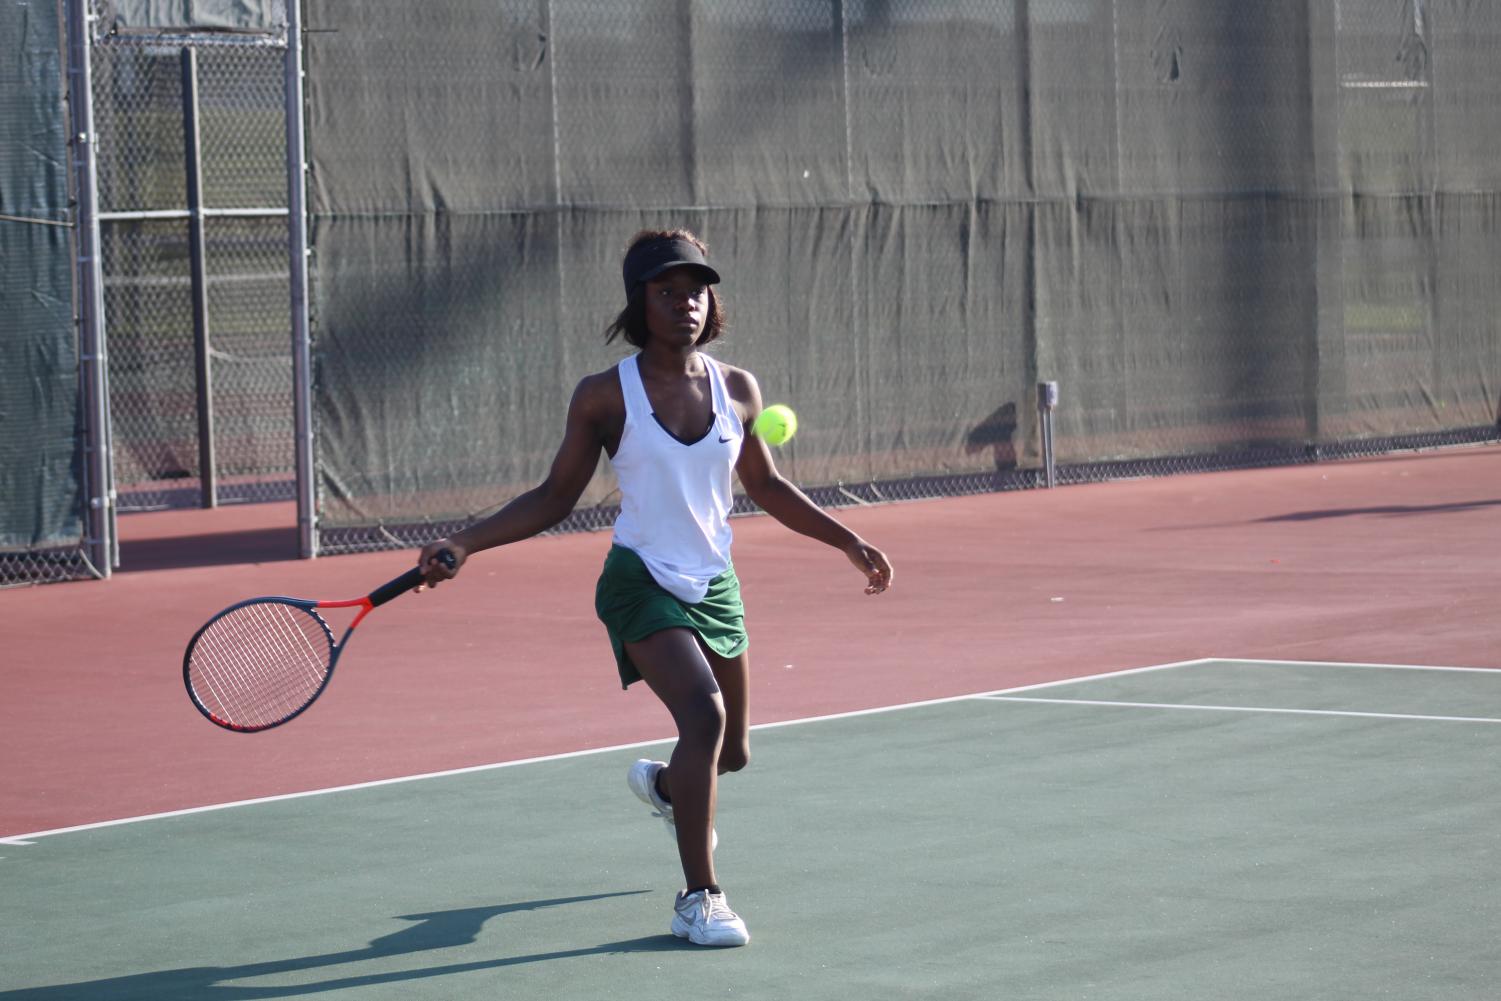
(677, 306)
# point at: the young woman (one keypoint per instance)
(673, 422)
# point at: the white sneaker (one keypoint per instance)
(642, 778)
(705, 918)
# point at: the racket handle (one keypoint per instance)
(401, 585)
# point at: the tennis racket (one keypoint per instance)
(262, 662)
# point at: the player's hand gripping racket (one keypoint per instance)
(261, 662)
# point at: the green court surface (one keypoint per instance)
(1216, 829)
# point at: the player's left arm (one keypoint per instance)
(781, 499)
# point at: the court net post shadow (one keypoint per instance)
(996, 434)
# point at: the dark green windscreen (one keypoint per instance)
(261, 16)
(41, 486)
(1220, 226)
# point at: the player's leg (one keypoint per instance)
(733, 675)
(675, 668)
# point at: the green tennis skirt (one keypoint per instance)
(632, 605)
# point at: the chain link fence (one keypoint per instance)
(149, 99)
(1236, 234)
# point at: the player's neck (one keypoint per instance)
(670, 362)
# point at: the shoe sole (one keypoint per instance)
(688, 934)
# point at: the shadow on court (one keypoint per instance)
(1394, 510)
(259, 545)
(1326, 514)
(437, 930)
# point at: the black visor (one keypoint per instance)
(650, 258)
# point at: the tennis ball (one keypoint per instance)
(775, 424)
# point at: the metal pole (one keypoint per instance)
(205, 211)
(207, 466)
(93, 359)
(1047, 400)
(302, 363)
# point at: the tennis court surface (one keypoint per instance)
(982, 784)
(1207, 829)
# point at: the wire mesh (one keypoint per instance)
(240, 96)
(44, 566)
(143, 164)
(1235, 234)
(252, 361)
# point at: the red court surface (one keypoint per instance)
(1387, 560)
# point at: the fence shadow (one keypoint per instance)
(436, 930)
(234, 533)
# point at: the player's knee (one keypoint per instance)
(702, 722)
(734, 756)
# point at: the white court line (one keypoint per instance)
(27, 839)
(1245, 709)
(982, 695)
(1338, 663)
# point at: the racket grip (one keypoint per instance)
(401, 585)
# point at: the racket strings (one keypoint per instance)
(260, 663)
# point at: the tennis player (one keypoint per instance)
(673, 422)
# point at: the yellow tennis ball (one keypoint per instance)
(775, 424)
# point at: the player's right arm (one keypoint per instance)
(554, 498)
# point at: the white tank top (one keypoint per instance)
(675, 495)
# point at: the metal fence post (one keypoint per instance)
(202, 354)
(93, 361)
(302, 364)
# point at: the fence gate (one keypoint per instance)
(190, 129)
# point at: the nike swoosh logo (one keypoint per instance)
(723, 441)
